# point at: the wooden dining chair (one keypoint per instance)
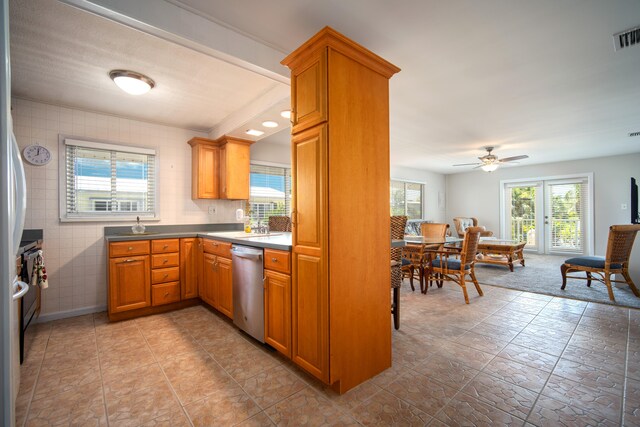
(444, 267)
(433, 230)
(616, 261)
(398, 224)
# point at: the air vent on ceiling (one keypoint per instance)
(626, 38)
(634, 134)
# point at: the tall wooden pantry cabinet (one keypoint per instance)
(341, 321)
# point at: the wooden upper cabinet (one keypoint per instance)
(205, 157)
(220, 168)
(309, 93)
(234, 168)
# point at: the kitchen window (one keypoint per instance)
(270, 192)
(102, 181)
(406, 199)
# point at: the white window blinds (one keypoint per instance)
(270, 192)
(406, 199)
(108, 181)
(566, 214)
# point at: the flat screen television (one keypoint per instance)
(635, 214)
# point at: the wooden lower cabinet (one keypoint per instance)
(165, 293)
(277, 311)
(224, 287)
(310, 305)
(189, 267)
(216, 286)
(207, 285)
(129, 283)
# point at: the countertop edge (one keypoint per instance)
(204, 235)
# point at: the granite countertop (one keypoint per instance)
(274, 240)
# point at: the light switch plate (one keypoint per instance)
(212, 210)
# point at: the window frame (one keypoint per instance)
(103, 216)
(422, 195)
(273, 165)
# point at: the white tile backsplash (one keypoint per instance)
(75, 253)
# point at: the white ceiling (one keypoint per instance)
(62, 55)
(538, 78)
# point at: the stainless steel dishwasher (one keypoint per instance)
(248, 290)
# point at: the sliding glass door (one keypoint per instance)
(552, 216)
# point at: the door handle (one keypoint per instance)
(19, 289)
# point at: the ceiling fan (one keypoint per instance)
(490, 162)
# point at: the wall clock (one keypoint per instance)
(37, 155)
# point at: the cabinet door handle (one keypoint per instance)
(165, 276)
(130, 248)
(129, 260)
(166, 295)
(274, 259)
(215, 244)
(165, 246)
(165, 261)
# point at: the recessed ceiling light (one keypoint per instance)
(286, 114)
(254, 132)
(270, 124)
(131, 82)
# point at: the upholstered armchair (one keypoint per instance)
(462, 223)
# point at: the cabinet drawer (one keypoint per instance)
(277, 260)
(165, 260)
(162, 275)
(163, 246)
(165, 293)
(135, 247)
(217, 248)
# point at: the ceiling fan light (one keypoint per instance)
(131, 82)
(489, 167)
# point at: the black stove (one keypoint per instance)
(30, 303)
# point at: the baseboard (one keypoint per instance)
(70, 313)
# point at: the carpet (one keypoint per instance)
(542, 276)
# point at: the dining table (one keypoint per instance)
(417, 250)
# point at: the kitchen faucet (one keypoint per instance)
(260, 228)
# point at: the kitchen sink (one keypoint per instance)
(252, 235)
(241, 234)
(130, 233)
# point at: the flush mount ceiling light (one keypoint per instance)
(254, 132)
(270, 124)
(131, 82)
(286, 114)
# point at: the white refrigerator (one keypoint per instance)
(12, 211)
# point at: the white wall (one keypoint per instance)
(478, 194)
(434, 204)
(272, 153)
(75, 253)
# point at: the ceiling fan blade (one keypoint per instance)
(468, 164)
(511, 159)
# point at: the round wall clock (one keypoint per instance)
(37, 155)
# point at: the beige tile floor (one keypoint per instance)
(508, 358)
